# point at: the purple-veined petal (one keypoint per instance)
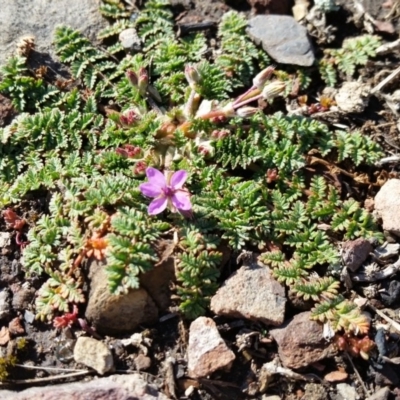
(181, 200)
(178, 179)
(150, 190)
(156, 177)
(158, 205)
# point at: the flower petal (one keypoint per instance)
(150, 190)
(158, 205)
(178, 179)
(156, 177)
(181, 200)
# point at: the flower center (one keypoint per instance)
(168, 191)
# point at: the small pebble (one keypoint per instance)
(130, 39)
(93, 354)
(5, 238)
(29, 316)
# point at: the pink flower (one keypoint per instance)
(166, 189)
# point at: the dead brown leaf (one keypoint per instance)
(336, 376)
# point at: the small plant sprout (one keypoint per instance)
(166, 189)
(66, 320)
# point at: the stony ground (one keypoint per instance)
(242, 349)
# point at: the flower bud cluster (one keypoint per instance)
(129, 151)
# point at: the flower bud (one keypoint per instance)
(206, 151)
(204, 147)
(129, 117)
(143, 80)
(262, 77)
(245, 112)
(218, 119)
(273, 90)
(140, 168)
(220, 133)
(192, 76)
(272, 175)
(132, 77)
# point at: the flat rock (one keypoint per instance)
(283, 38)
(116, 387)
(301, 342)
(207, 352)
(355, 252)
(93, 354)
(39, 18)
(387, 206)
(115, 314)
(252, 293)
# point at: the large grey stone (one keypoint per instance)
(282, 38)
(39, 18)
(252, 293)
(115, 314)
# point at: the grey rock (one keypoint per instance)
(130, 39)
(115, 387)
(353, 97)
(93, 354)
(5, 239)
(5, 306)
(207, 352)
(387, 206)
(387, 251)
(301, 342)
(284, 39)
(355, 252)
(346, 392)
(252, 293)
(39, 18)
(29, 316)
(381, 394)
(115, 314)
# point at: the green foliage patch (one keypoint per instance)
(86, 151)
